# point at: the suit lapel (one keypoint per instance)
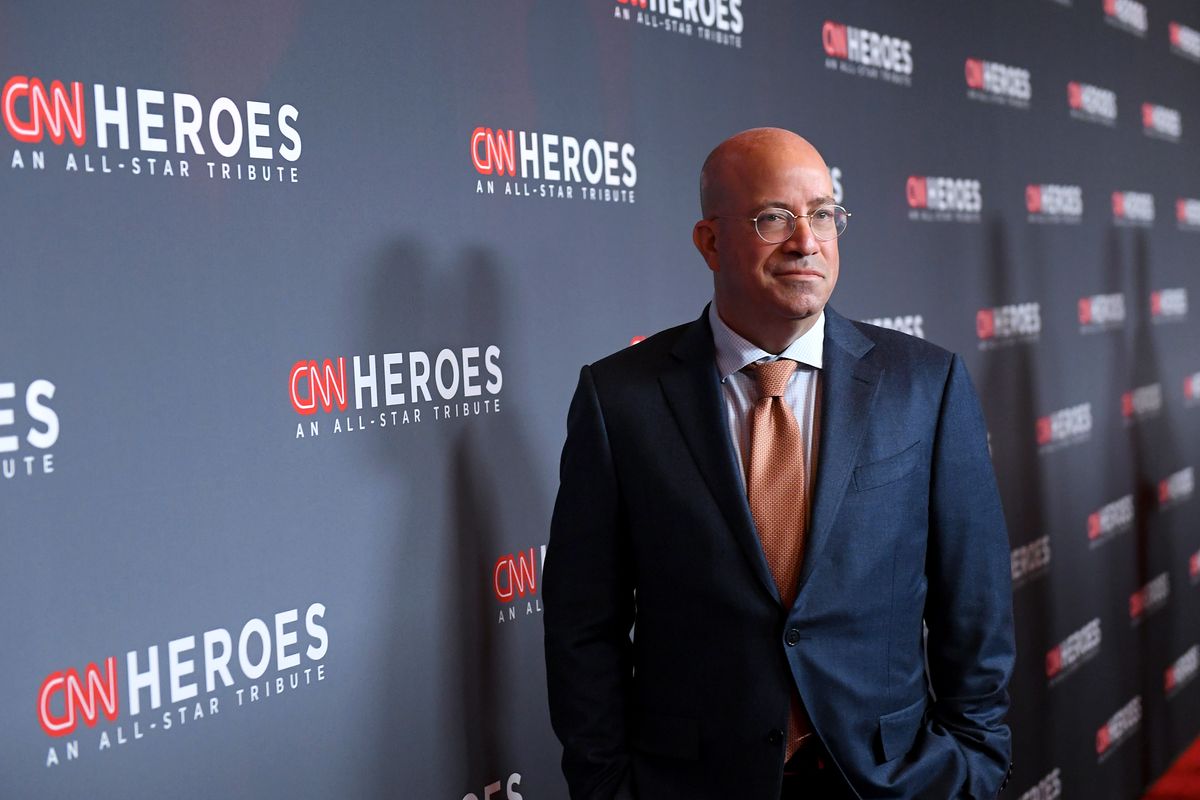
(693, 391)
(848, 388)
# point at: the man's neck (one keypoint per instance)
(773, 339)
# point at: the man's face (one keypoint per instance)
(761, 286)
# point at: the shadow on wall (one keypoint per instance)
(470, 497)
(1153, 453)
(1008, 381)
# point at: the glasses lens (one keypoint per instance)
(828, 222)
(774, 225)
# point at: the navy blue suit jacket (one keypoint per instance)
(651, 526)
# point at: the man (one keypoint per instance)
(780, 499)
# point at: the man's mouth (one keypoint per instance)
(801, 272)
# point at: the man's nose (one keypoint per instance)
(802, 238)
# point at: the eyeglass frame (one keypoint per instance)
(795, 221)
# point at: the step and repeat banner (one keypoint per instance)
(294, 295)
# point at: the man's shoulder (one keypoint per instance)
(647, 357)
(892, 345)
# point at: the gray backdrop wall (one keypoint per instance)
(293, 297)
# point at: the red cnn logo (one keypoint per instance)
(1194, 565)
(1085, 310)
(1093, 525)
(1137, 604)
(57, 111)
(1053, 662)
(1074, 95)
(1155, 303)
(492, 151)
(1110, 7)
(833, 37)
(1189, 388)
(100, 695)
(1169, 679)
(1127, 404)
(1147, 115)
(325, 385)
(515, 576)
(1164, 492)
(985, 323)
(1181, 209)
(974, 73)
(1033, 199)
(916, 190)
(1173, 32)
(637, 339)
(1045, 432)
(1118, 204)
(1103, 737)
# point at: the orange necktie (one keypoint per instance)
(777, 492)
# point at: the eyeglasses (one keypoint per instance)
(775, 225)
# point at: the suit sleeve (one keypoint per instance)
(968, 612)
(588, 595)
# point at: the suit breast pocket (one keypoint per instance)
(887, 470)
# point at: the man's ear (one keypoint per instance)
(704, 236)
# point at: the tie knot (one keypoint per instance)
(773, 376)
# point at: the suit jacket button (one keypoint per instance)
(775, 736)
(792, 637)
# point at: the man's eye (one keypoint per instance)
(822, 214)
(770, 218)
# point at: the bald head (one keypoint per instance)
(749, 151)
(769, 292)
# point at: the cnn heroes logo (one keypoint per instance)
(1191, 389)
(1101, 312)
(1066, 426)
(1182, 670)
(1127, 15)
(1092, 103)
(26, 442)
(1048, 788)
(1187, 214)
(1143, 402)
(912, 324)
(716, 21)
(1054, 203)
(1030, 561)
(1168, 305)
(200, 675)
(499, 790)
(1149, 598)
(467, 383)
(1161, 122)
(940, 199)
(1110, 520)
(553, 166)
(149, 132)
(1072, 652)
(515, 583)
(866, 53)
(993, 82)
(1185, 41)
(1133, 208)
(1176, 488)
(1009, 324)
(1119, 727)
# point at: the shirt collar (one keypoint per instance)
(734, 352)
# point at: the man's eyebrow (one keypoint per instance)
(816, 202)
